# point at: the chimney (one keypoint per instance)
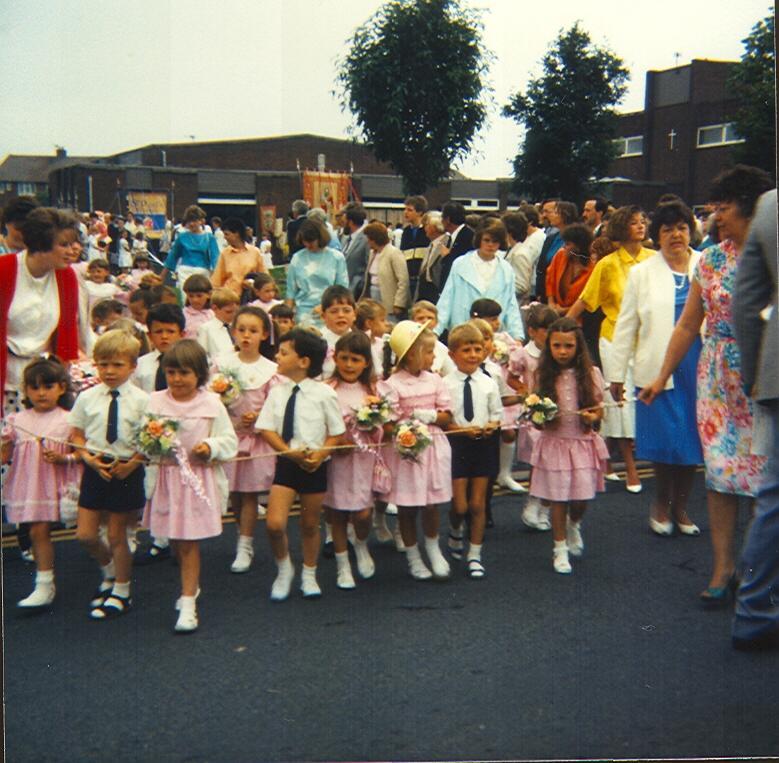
(61, 152)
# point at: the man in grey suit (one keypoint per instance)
(357, 251)
(756, 324)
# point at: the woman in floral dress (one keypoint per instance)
(723, 410)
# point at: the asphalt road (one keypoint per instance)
(614, 661)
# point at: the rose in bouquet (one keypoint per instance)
(411, 438)
(374, 412)
(226, 385)
(125, 282)
(500, 352)
(539, 410)
(156, 436)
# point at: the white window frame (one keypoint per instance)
(724, 127)
(624, 141)
(26, 189)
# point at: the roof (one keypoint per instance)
(32, 168)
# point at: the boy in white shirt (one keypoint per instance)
(104, 418)
(215, 335)
(476, 409)
(339, 314)
(301, 420)
(426, 312)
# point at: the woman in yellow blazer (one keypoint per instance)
(386, 274)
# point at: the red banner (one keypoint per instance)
(328, 190)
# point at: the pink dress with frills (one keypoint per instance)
(523, 365)
(510, 412)
(195, 319)
(174, 509)
(33, 488)
(428, 480)
(569, 463)
(256, 379)
(350, 476)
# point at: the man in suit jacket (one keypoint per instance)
(357, 250)
(756, 324)
(299, 210)
(460, 236)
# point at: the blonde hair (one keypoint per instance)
(368, 310)
(116, 342)
(425, 336)
(135, 329)
(224, 297)
(465, 333)
(423, 304)
(483, 326)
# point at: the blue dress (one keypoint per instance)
(666, 431)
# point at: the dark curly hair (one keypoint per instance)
(549, 369)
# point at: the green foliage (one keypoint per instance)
(413, 80)
(752, 83)
(568, 117)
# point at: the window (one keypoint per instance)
(632, 146)
(6, 186)
(25, 189)
(718, 135)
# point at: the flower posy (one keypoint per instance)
(125, 282)
(156, 435)
(539, 410)
(373, 413)
(226, 385)
(500, 352)
(411, 438)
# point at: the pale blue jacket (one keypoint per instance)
(462, 289)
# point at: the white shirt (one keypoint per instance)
(32, 319)
(215, 339)
(485, 270)
(145, 373)
(486, 398)
(90, 414)
(492, 370)
(317, 414)
(523, 258)
(442, 362)
(331, 338)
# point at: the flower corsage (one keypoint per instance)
(226, 385)
(411, 438)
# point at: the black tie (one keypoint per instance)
(449, 241)
(288, 427)
(229, 333)
(160, 382)
(112, 430)
(483, 367)
(468, 400)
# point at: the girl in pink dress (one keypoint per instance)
(198, 308)
(421, 484)
(569, 458)
(43, 470)
(256, 375)
(187, 495)
(522, 364)
(350, 472)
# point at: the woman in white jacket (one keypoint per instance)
(666, 433)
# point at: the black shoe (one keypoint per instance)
(767, 640)
(328, 550)
(153, 553)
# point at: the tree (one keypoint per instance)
(413, 80)
(752, 84)
(568, 117)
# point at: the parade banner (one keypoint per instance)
(268, 219)
(150, 208)
(328, 190)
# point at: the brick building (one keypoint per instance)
(680, 141)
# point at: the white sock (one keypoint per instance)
(456, 532)
(341, 559)
(474, 551)
(246, 542)
(412, 553)
(573, 524)
(121, 589)
(108, 570)
(561, 545)
(506, 458)
(284, 564)
(431, 546)
(44, 577)
(309, 572)
(160, 542)
(187, 603)
(328, 533)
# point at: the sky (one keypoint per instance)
(100, 76)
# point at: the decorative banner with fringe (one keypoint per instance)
(328, 190)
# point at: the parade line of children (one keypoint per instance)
(235, 402)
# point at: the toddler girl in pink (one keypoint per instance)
(350, 472)
(42, 470)
(418, 486)
(186, 503)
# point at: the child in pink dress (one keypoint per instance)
(521, 367)
(350, 472)
(372, 320)
(43, 470)
(423, 483)
(186, 504)
(198, 308)
(256, 375)
(569, 458)
(265, 291)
